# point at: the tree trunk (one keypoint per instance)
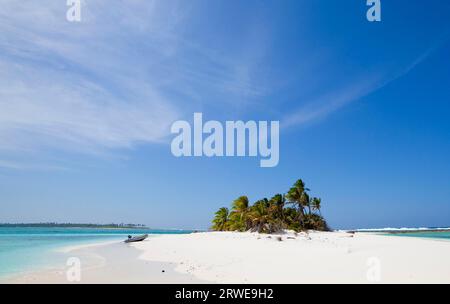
(302, 216)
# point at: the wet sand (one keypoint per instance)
(107, 263)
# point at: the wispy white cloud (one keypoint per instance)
(331, 101)
(66, 85)
(6, 164)
(117, 79)
(64, 110)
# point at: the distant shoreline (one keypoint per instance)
(72, 225)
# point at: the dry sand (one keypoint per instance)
(317, 257)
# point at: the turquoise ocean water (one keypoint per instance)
(32, 249)
(442, 235)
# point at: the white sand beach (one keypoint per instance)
(231, 257)
(317, 257)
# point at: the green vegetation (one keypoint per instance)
(295, 210)
(72, 225)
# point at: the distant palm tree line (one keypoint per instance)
(295, 210)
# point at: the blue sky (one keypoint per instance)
(86, 108)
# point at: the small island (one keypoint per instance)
(296, 210)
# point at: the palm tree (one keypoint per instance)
(277, 203)
(259, 216)
(238, 215)
(305, 201)
(220, 221)
(315, 204)
(297, 195)
(290, 216)
(278, 200)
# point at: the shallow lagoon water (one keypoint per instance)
(31, 249)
